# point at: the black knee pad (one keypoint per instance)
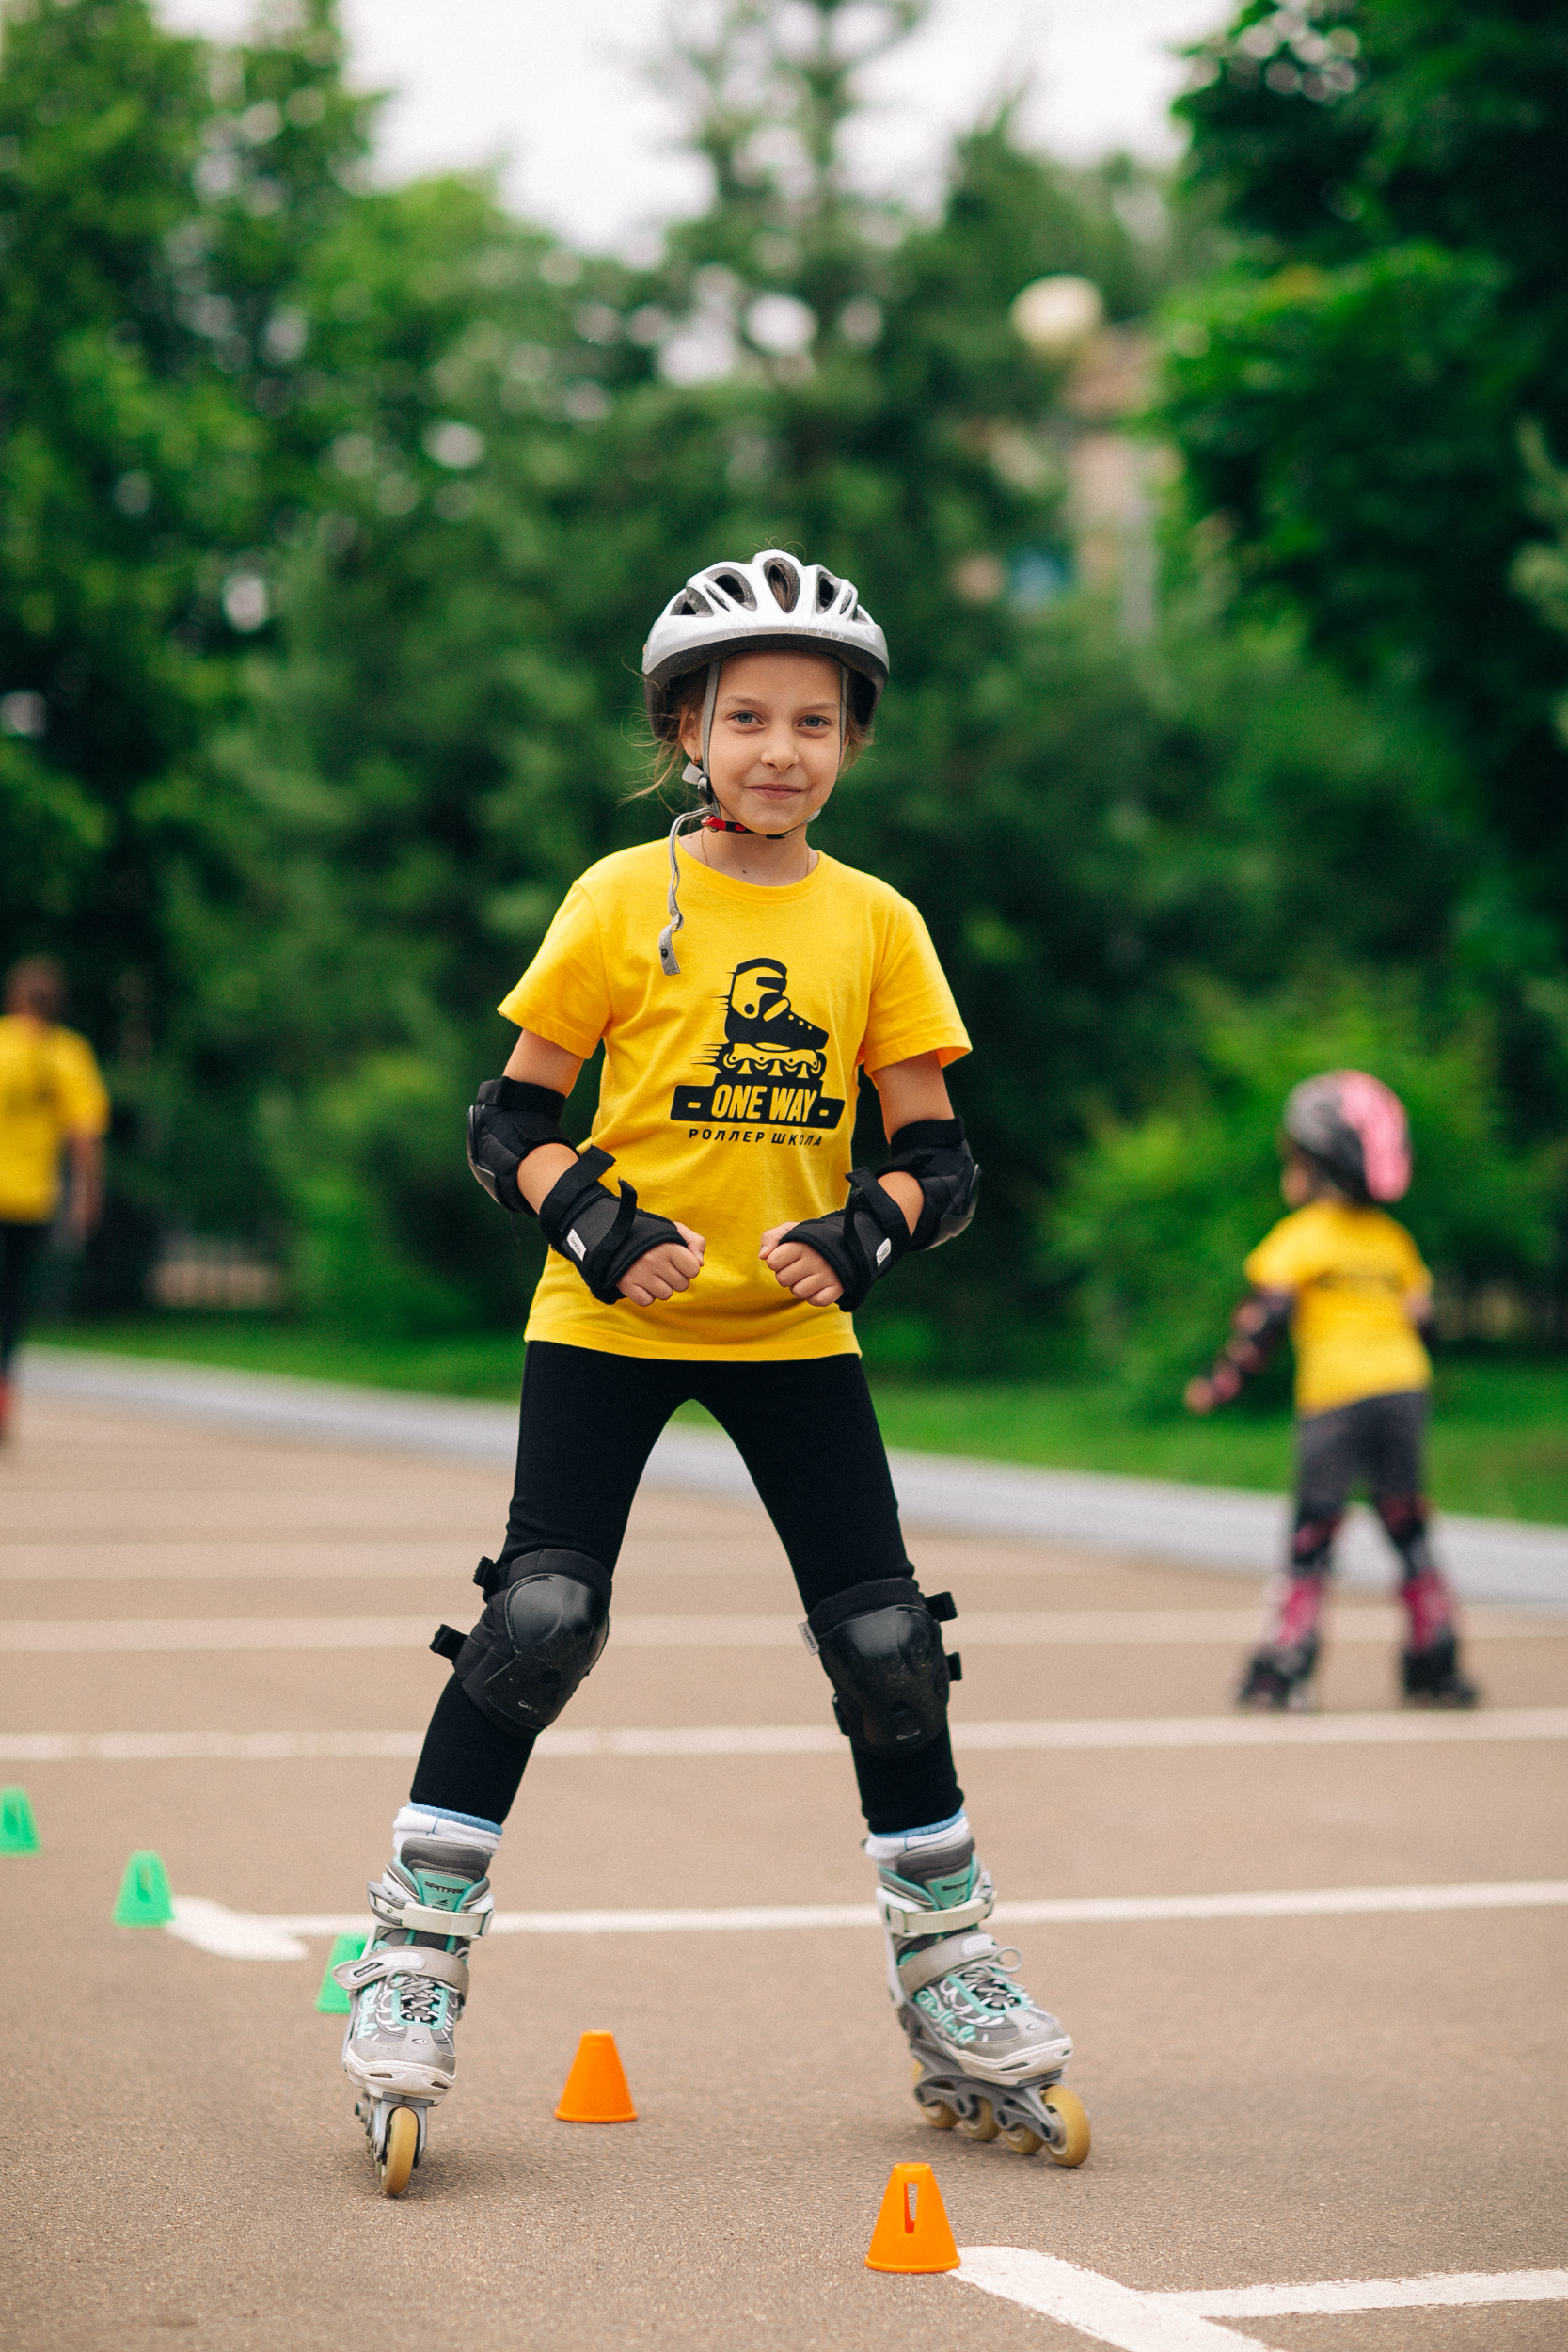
(881, 1646)
(1405, 1518)
(546, 1618)
(1312, 1541)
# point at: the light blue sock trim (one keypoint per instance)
(895, 1842)
(418, 1820)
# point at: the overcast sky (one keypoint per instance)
(556, 92)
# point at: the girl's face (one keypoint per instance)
(1296, 1181)
(774, 752)
(1301, 1181)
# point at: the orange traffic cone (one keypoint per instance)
(596, 2089)
(912, 2231)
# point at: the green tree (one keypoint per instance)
(530, 450)
(155, 196)
(1348, 397)
(1158, 1213)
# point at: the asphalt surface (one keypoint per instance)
(1273, 2100)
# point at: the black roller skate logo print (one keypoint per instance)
(763, 1036)
(771, 1066)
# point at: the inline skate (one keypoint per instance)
(1430, 1661)
(987, 2060)
(406, 1993)
(1278, 1677)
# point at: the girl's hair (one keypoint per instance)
(669, 757)
(36, 985)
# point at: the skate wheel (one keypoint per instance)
(1069, 2110)
(940, 2116)
(403, 2146)
(1021, 2140)
(982, 2124)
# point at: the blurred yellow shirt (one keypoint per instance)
(728, 1095)
(1353, 1270)
(49, 1089)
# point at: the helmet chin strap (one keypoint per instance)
(709, 801)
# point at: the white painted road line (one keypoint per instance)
(976, 1629)
(1373, 2294)
(1134, 2321)
(275, 1935)
(1490, 1725)
(1269, 1732)
(78, 1637)
(1097, 2307)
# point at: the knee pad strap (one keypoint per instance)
(880, 1643)
(541, 1633)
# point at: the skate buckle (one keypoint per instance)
(907, 1920)
(428, 1920)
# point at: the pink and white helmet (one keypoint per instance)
(1355, 1128)
(773, 604)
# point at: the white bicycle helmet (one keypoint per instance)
(773, 604)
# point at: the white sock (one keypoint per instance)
(465, 1829)
(907, 1841)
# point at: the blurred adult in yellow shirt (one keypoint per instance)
(54, 1111)
(1348, 1282)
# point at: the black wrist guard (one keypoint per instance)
(861, 1241)
(598, 1234)
(934, 1152)
(1257, 1327)
(509, 1121)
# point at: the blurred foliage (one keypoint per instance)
(332, 518)
(1158, 1214)
(1349, 395)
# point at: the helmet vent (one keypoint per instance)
(785, 580)
(690, 605)
(735, 586)
(827, 589)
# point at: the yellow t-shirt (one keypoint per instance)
(49, 1089)
(728, 1095)
(1351, 1271)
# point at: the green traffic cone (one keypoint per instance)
(332, 2000)
(19, 1832)
(145, 1900)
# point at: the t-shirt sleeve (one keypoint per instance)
(83, 1098)
(1282, 1260)
(565, 993)
(913, 1011)
(1415, 1274)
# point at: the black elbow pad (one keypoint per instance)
(934, 1152)
(509, 1120)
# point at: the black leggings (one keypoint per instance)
(1376, 1443)
(808, 1434)
(18, 1246)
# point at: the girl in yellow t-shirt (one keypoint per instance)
(53, 1111)
(1350, 1284)
(739, 980)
